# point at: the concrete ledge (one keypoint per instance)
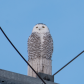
(46, 77)
(7, 77)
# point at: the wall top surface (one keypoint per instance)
(7, 77)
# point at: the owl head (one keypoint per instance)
(40, 28)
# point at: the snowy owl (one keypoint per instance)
(40, 43)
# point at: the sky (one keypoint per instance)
(65, 20)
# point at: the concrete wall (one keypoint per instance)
(7, 77)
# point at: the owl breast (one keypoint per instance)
(40, 45)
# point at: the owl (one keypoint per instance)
(40, 42)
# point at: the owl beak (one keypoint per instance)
(39, 29)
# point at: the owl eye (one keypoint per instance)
(36, 27)
(43, 27)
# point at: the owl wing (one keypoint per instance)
(47, 46)
(34, 44)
